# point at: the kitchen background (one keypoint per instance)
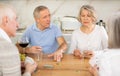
(59, 10)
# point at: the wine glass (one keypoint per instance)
(23, 42)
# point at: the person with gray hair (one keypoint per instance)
(10, 64)
(89, 37)
(45, 36)
(108, 61)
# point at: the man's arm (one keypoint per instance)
(62, 44)
(58, 54)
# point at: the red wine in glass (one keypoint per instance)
(23, 44)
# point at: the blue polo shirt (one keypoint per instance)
(47, 38)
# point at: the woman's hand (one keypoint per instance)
(77, 53)
(88, 53)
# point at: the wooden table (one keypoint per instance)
(69, 66)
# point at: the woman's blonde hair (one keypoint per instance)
(91, 10)
(114, 30)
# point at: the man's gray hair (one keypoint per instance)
(4, 11)
(37, 11)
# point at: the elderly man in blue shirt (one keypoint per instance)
(44, 36)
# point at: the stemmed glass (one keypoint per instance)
(23, 42)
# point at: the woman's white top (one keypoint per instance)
(108, 62)
(96, 40)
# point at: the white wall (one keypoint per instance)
(60, 8)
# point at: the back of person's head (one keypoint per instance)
(8, 19)
(5, 10)
(91, 10)
(114, 30)
(37, 11)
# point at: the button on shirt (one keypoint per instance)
(47, 38)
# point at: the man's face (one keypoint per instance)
(12, 24)
(44, 20)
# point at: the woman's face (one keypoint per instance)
(86, 18)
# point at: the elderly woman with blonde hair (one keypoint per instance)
(89, 37)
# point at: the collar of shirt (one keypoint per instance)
(36, 28)
(4, 35)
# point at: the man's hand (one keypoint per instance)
(30, 67)
(34, 49)
(57, 55)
